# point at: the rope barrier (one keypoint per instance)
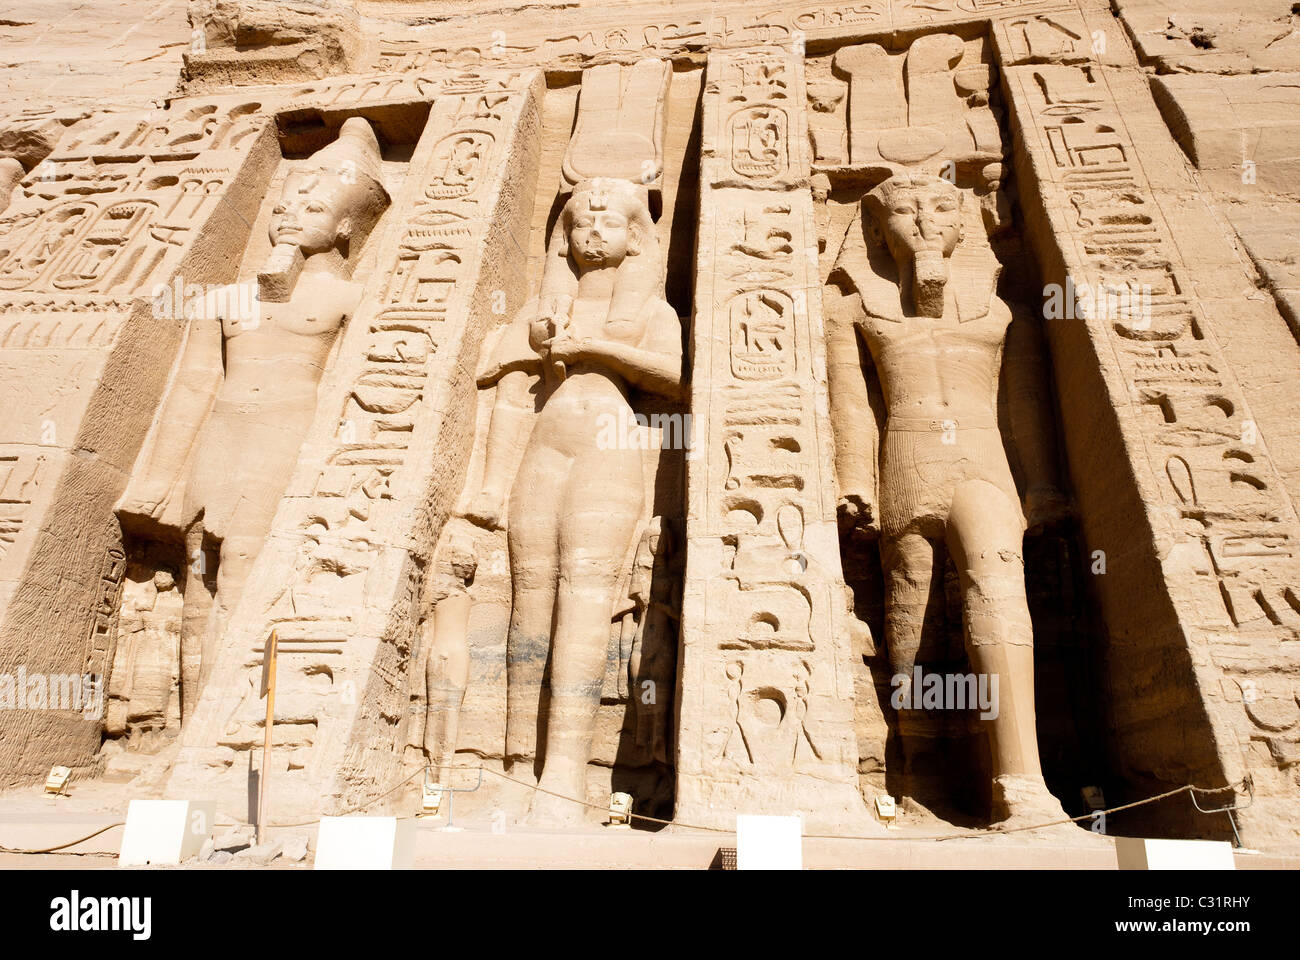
(953, 836)
(1186, 788)
(70, 843)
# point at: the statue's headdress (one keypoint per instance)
(351, 167)
(640, 276)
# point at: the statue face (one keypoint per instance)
(598, 238)
(311, 210)
(920, 219)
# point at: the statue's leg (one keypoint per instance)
(985, 538)
(602, 505)
(534, 569)
(446, 676)
(661, 671)
(238, 551)
(908, 563)
(197, 608)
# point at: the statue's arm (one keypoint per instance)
(853, 421)
(1025, 386)
(198, 378)
(656, 367)
(511, 350)
(513, 367)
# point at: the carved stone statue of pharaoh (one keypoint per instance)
(227, 436)
(600, 327)
(936, 329)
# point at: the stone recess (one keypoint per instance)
(641, 398)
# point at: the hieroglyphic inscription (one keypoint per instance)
(113, 208)
(1229, 531)
(764, 635)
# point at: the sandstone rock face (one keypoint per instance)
(747, 412)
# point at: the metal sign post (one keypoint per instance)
(268, 691)
(452, 791)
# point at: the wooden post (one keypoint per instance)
(268, 691)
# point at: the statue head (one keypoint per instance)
(333, 197)
(604, 222)
(920, 218)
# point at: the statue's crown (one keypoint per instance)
(354, 156)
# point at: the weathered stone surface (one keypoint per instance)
(294, 848)
(654, 398)
(261, 854)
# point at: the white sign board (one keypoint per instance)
(365, 843)
(165, 831)
(769, 843)
(1136, 853)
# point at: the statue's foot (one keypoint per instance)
(485, 511)
(551, 811)
(1021, 801)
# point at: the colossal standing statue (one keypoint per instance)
(936, 329)
(600, 328)
(227, 436)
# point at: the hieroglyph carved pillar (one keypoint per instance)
(121, 208)
(1143, 375)
(339, 575)
(766, 701)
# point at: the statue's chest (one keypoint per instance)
(934, 337)
(592, 319)
(306, 319)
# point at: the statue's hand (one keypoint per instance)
(552, 318)
(539, 334)
(1045, 505)
(567, 349)
(857, 511)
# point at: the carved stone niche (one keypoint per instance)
(226, 437)
(913, 208)
(616, 152)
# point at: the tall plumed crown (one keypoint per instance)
(353, 157)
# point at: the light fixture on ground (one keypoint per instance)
(620, 811)
(57, 781)
(886, 809)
